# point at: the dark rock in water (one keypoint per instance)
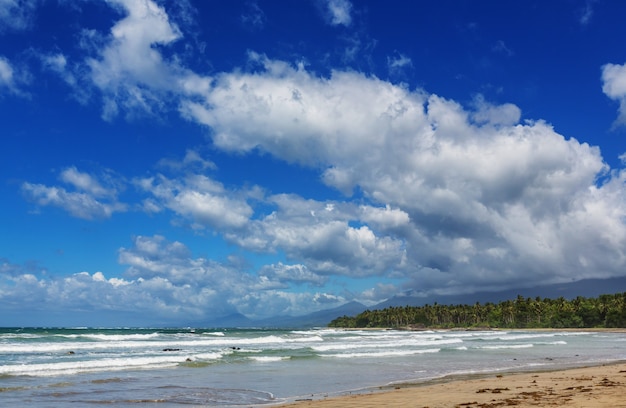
(171, 349)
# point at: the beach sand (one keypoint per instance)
(600, 386)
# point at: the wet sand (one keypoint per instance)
(599, 386)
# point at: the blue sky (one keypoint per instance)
(168, 161)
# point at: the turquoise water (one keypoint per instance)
(226, 367)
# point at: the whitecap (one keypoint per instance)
(390, 353)
(269, 359)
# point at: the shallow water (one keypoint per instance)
(184, 367)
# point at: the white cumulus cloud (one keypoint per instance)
(200, 199)
(451, 198)
(484, 193)
(87, 199)
(614, 86)
(129, 69)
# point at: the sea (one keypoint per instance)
(169, 368)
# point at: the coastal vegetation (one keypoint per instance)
(607, 311)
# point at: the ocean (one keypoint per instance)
(80, 367)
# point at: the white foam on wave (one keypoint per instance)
(553, 343)
(473, 334)
(74, 367)
(188, 342)
(406, 336)
(390, 353)
(388, 333)
(272, 339)
(507, 346)
(385, 344)
(218, 334)
(526, 336)
(269, 359)
(20, 336)
(209, 356)
(575, 333)
(110, 337)
(30, 348)
(308, 332)
(314, 339)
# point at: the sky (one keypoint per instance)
(164, 162)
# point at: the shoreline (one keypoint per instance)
(470, 329)
(452, 382)
(601, 385)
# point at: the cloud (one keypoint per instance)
(16, 14)
(85, 182)
(291, 273)
(129, 69)
(203, 201)
(157, 299)
(299, 117)
(586, 13)
(157, 258)
(253, 18)
(6, 74)
(321, 236)
(79, 205)
(468, 180)
(451, 198)
(77, 291)
(280, 303)
(491, 202)
(163, 284)
(56, 63)
(8, 269)
(337, 12)
(211, 288)
(614, 86)
(89, 200)
(192, 161)
(11, 79)
(501, 48)
(485, 112)
(398, 63)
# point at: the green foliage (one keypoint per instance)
(523, 313)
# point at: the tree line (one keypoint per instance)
(603, 311)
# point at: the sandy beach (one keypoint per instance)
(599, 386)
